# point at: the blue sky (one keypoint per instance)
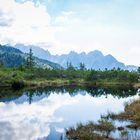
(122, 12)
(112, 26)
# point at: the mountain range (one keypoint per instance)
(92, 60)
(13, 57)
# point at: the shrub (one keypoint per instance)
(17, 84)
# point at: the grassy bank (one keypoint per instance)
(36, 83)
(137, 85)
(37, 77)
(131, 113)
(91, 131)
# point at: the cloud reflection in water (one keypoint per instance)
(31, 121)
(24, 121)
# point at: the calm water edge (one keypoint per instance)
(44, 114)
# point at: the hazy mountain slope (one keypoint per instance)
(94, 59)
(38, 52)
(12, 57)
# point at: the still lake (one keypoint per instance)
(44, 114)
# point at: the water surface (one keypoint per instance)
(45, 113)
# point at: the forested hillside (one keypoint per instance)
(12, 57)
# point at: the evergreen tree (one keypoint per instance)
(70, 66)
(138, 69)
(1, 64)
(82, 66)
(30, 60)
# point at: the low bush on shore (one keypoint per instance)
(91, 131)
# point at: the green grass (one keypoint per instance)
(131, 113)
(91, 131)
(37, 77)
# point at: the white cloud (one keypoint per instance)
(66, 18)
(30, 24)
(31, 121)
(68, 13)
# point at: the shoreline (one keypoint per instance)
(137, 85)
(61, 82)
(42, 83)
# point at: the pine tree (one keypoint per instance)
(1, 64)
(70, 66)
(139, 70)
(30, 60)
(82, 66)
